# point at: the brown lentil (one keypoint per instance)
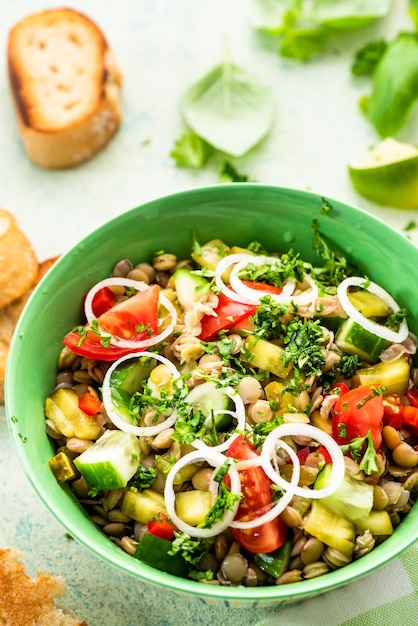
(314, 570)
(114, 529)
(234, 567)
(405, 455)
(291, 576)
(122, 268)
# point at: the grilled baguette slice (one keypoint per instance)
(28, 601)
(65, 86)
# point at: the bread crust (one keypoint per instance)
(65, 86)
(26, 601)
(9, 316)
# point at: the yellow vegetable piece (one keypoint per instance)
(193, 506)
(393, 375)
(266, 356)
(142, 506)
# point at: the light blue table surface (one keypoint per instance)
(161, 47)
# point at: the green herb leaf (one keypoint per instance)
(367, 58)
(229, 108)
(143, 478)
(395, 85)
(190, 150)
(303, 43)
(228, 174)
(190, 549)
(345, 14)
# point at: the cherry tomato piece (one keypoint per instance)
(258, 286)
(257, 497)
(135, 318)
(228, 314)
(355, 413)
(103, 301)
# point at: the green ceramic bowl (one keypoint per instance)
(238, 213)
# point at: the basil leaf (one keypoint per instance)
(345, 14)
(395, 85)
(190, 150)
(229, 108)
(268, 15)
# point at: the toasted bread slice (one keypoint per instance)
(9, 316)
(26, 601)
(65, 86)
(18, 262)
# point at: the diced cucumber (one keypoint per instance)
(193, 506)
(378, 523)
(266, 356)
(275, 563)
(189, 286)
(353, 499)
(142, 506)
(163, 463)
(212, 399)
(393, 375)
(211, 253)
(369, 304)
(63, 410)
(111, 461)
(154, 551)
(332, 529)
(354, 339)
(129, 375)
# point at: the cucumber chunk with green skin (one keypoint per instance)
(275, 563)
(111, 461)
(129, 375)
(189, 286)
(213, 400)
(154, 551)
(353, 499)
(355, 339)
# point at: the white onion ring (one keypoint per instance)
(368, 324)
(139, 286)
(216, 459)
(304, 430)
(223, 265)
(254, 294)
(282, 503)
(115, 416)
(238, 414)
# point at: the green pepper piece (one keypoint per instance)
(154, 550)
(275, 563)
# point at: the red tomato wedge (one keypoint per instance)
(258, 286)
(355, 413)
(256, 499)
(103, 301)
(228, 314)
(135, 319)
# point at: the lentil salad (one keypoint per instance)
(303, 376)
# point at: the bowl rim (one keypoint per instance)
(386, 551)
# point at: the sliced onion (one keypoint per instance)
(221, 267)
(255, 294)
(136, 345)
(216, 460)
(303, 430)
(282, 503)
(368, 324)
(117, 418)
(238, 414)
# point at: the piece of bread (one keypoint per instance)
(9, 316)
(26, 601)
(65, 86)
(18, 262)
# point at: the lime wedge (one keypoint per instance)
(388, 175)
